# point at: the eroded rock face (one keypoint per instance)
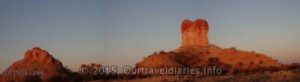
(39, 55)
(194, 33)
(36, 66)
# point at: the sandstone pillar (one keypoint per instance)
(194, 33)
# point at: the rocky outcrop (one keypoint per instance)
(197, 52)
(39, 55)
(36, 66)
(194, 33)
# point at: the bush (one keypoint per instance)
(251, 63)
(34, 78)
(261, 62)
(241, 64)
(294, 66)
(233, 48)
(56, 79)
(227, 69)
(172, 52)
(162, 52)
(155, 53)
(214, 61)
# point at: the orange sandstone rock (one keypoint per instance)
(194, 33)
(39, 66)
(39, 55)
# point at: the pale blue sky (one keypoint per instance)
(122, 32)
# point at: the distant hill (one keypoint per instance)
(36, 66)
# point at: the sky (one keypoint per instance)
(123, 32)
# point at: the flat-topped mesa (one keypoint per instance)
(194, 33)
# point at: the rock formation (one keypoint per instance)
(36, 66)
(194, 33)
(197, 52)
(39, 55)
